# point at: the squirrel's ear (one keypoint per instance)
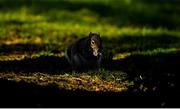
(98, 34)
(90, 34)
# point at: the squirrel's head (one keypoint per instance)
(95, 43)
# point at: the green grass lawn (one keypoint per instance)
(124, 25)
(35, 33)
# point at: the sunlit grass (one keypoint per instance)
(157, 51)
(48, 31)
(51, 26)
(69, 82)
(26, 55)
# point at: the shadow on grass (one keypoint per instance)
(141, 43)
(149, 65)
(45, 64)
(155, 64)
(118, 44)
(24, 94)
(160, 71)
(31, 95)
(28, 48)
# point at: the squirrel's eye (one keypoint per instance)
(92, 42)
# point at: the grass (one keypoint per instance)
(30, 24)
(68, 82)
(141, 41)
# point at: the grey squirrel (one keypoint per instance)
(85, 53)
